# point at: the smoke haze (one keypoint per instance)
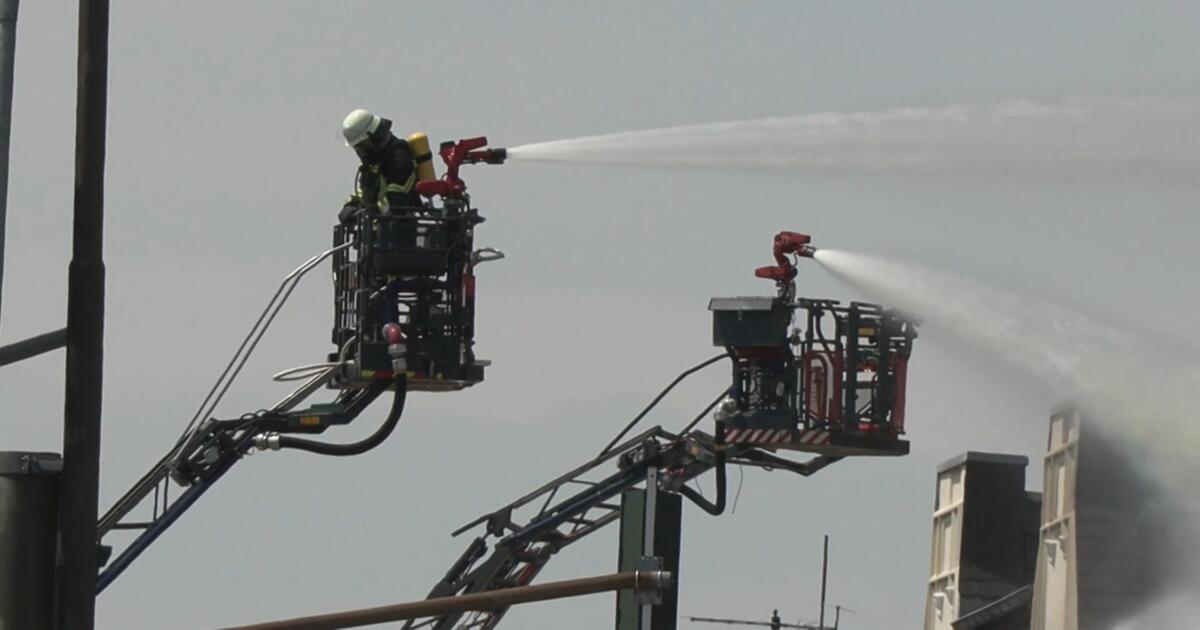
(1140, 393)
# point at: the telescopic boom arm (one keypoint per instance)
(213, 449)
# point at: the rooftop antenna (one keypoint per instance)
(837, 614)
(775, 623)
(824, 575)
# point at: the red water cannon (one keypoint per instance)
(455, 154)
(786, 243)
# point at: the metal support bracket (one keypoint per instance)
(486, 254)
(648, 595)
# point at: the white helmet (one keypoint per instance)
(358, 126)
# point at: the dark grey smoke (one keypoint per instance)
(1140, 396)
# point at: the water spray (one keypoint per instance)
(1140, 395)
(1087, 135)
(1111, 369)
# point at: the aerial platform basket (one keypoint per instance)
(835, 387)
(414, 268)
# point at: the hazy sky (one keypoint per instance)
(225, 171)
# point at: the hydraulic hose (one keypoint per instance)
(718, 507)
(363, 445)
(715, 508)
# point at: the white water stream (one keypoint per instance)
(1142, 394)
(1088, 135)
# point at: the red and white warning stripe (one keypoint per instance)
(814, 437)
(757, 436)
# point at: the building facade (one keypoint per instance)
(1087, 553)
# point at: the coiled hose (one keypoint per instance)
(363, 445)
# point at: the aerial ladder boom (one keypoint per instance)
(212, 450)
(208, 447)
(521, 547)
(835, 392)
(404, 309)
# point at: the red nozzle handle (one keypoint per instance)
(455, 154)
(466, 144)
(776, 273)
(786, 243)
(790, 243)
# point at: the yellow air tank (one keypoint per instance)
(419, 143)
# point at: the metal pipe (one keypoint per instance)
(488, 600)
(78, 560)
(8, 53)
(33, 346)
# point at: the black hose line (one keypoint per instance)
(718, 507)
(686, 373)
(363, 445)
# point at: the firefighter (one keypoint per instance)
(387, 176)
(385, 185)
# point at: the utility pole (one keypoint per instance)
(78, 563)
(8, 54)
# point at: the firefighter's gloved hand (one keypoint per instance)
(349, 213)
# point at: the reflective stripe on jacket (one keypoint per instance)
(388, 178)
